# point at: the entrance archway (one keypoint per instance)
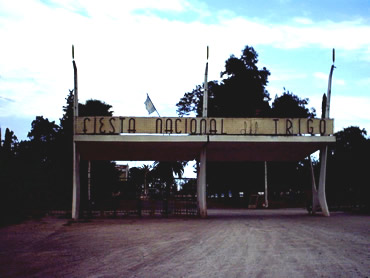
(270, 139)
(203, 139)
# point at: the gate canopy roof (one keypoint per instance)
(188, 147)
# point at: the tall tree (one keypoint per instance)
(10, 208)
(64, 141)
(38, 158)
(140, 179)
(289, 105)
(94, 107)
(66, 122)
(165, 171)
(241, 93)
(43, 136)
(348, 167)
(8, 146)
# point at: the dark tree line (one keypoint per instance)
(36, 174)
(348, 166)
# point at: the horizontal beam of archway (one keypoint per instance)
(219, 147)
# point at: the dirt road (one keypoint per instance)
(230, 243)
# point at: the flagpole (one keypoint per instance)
(205, 95)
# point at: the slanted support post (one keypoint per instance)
(201, 185)
(324, 150)
(315, 198)
(322, 181)
(202, 178)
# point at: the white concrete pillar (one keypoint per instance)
(201, 185)
(266, 190)
(76, 184)
(315, 198)
(76, 154)
(322, 181)
(89, 181)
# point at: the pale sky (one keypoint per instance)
(126, 49)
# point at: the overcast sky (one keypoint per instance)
(125, 49)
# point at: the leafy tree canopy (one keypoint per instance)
(350, 138)
(66, 123)
(42, 130)
(94, 107)
(348, 168)
(241, 93)
(166, 170)
(289, 105)
(10, 141)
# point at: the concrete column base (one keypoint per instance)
(201, 185)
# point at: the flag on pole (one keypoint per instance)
(149, 105)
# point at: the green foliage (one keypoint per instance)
(10, 141)
(42, 130)
(165, 171)
(8, 147)
(289, 105)
(241, 93)
(94, 107)
(139, 180)
(9, 183)
(348, 167)
(42, 142)
(66, 122)
(36, 175)
(157, 180)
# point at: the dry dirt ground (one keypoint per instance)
(230, 243)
